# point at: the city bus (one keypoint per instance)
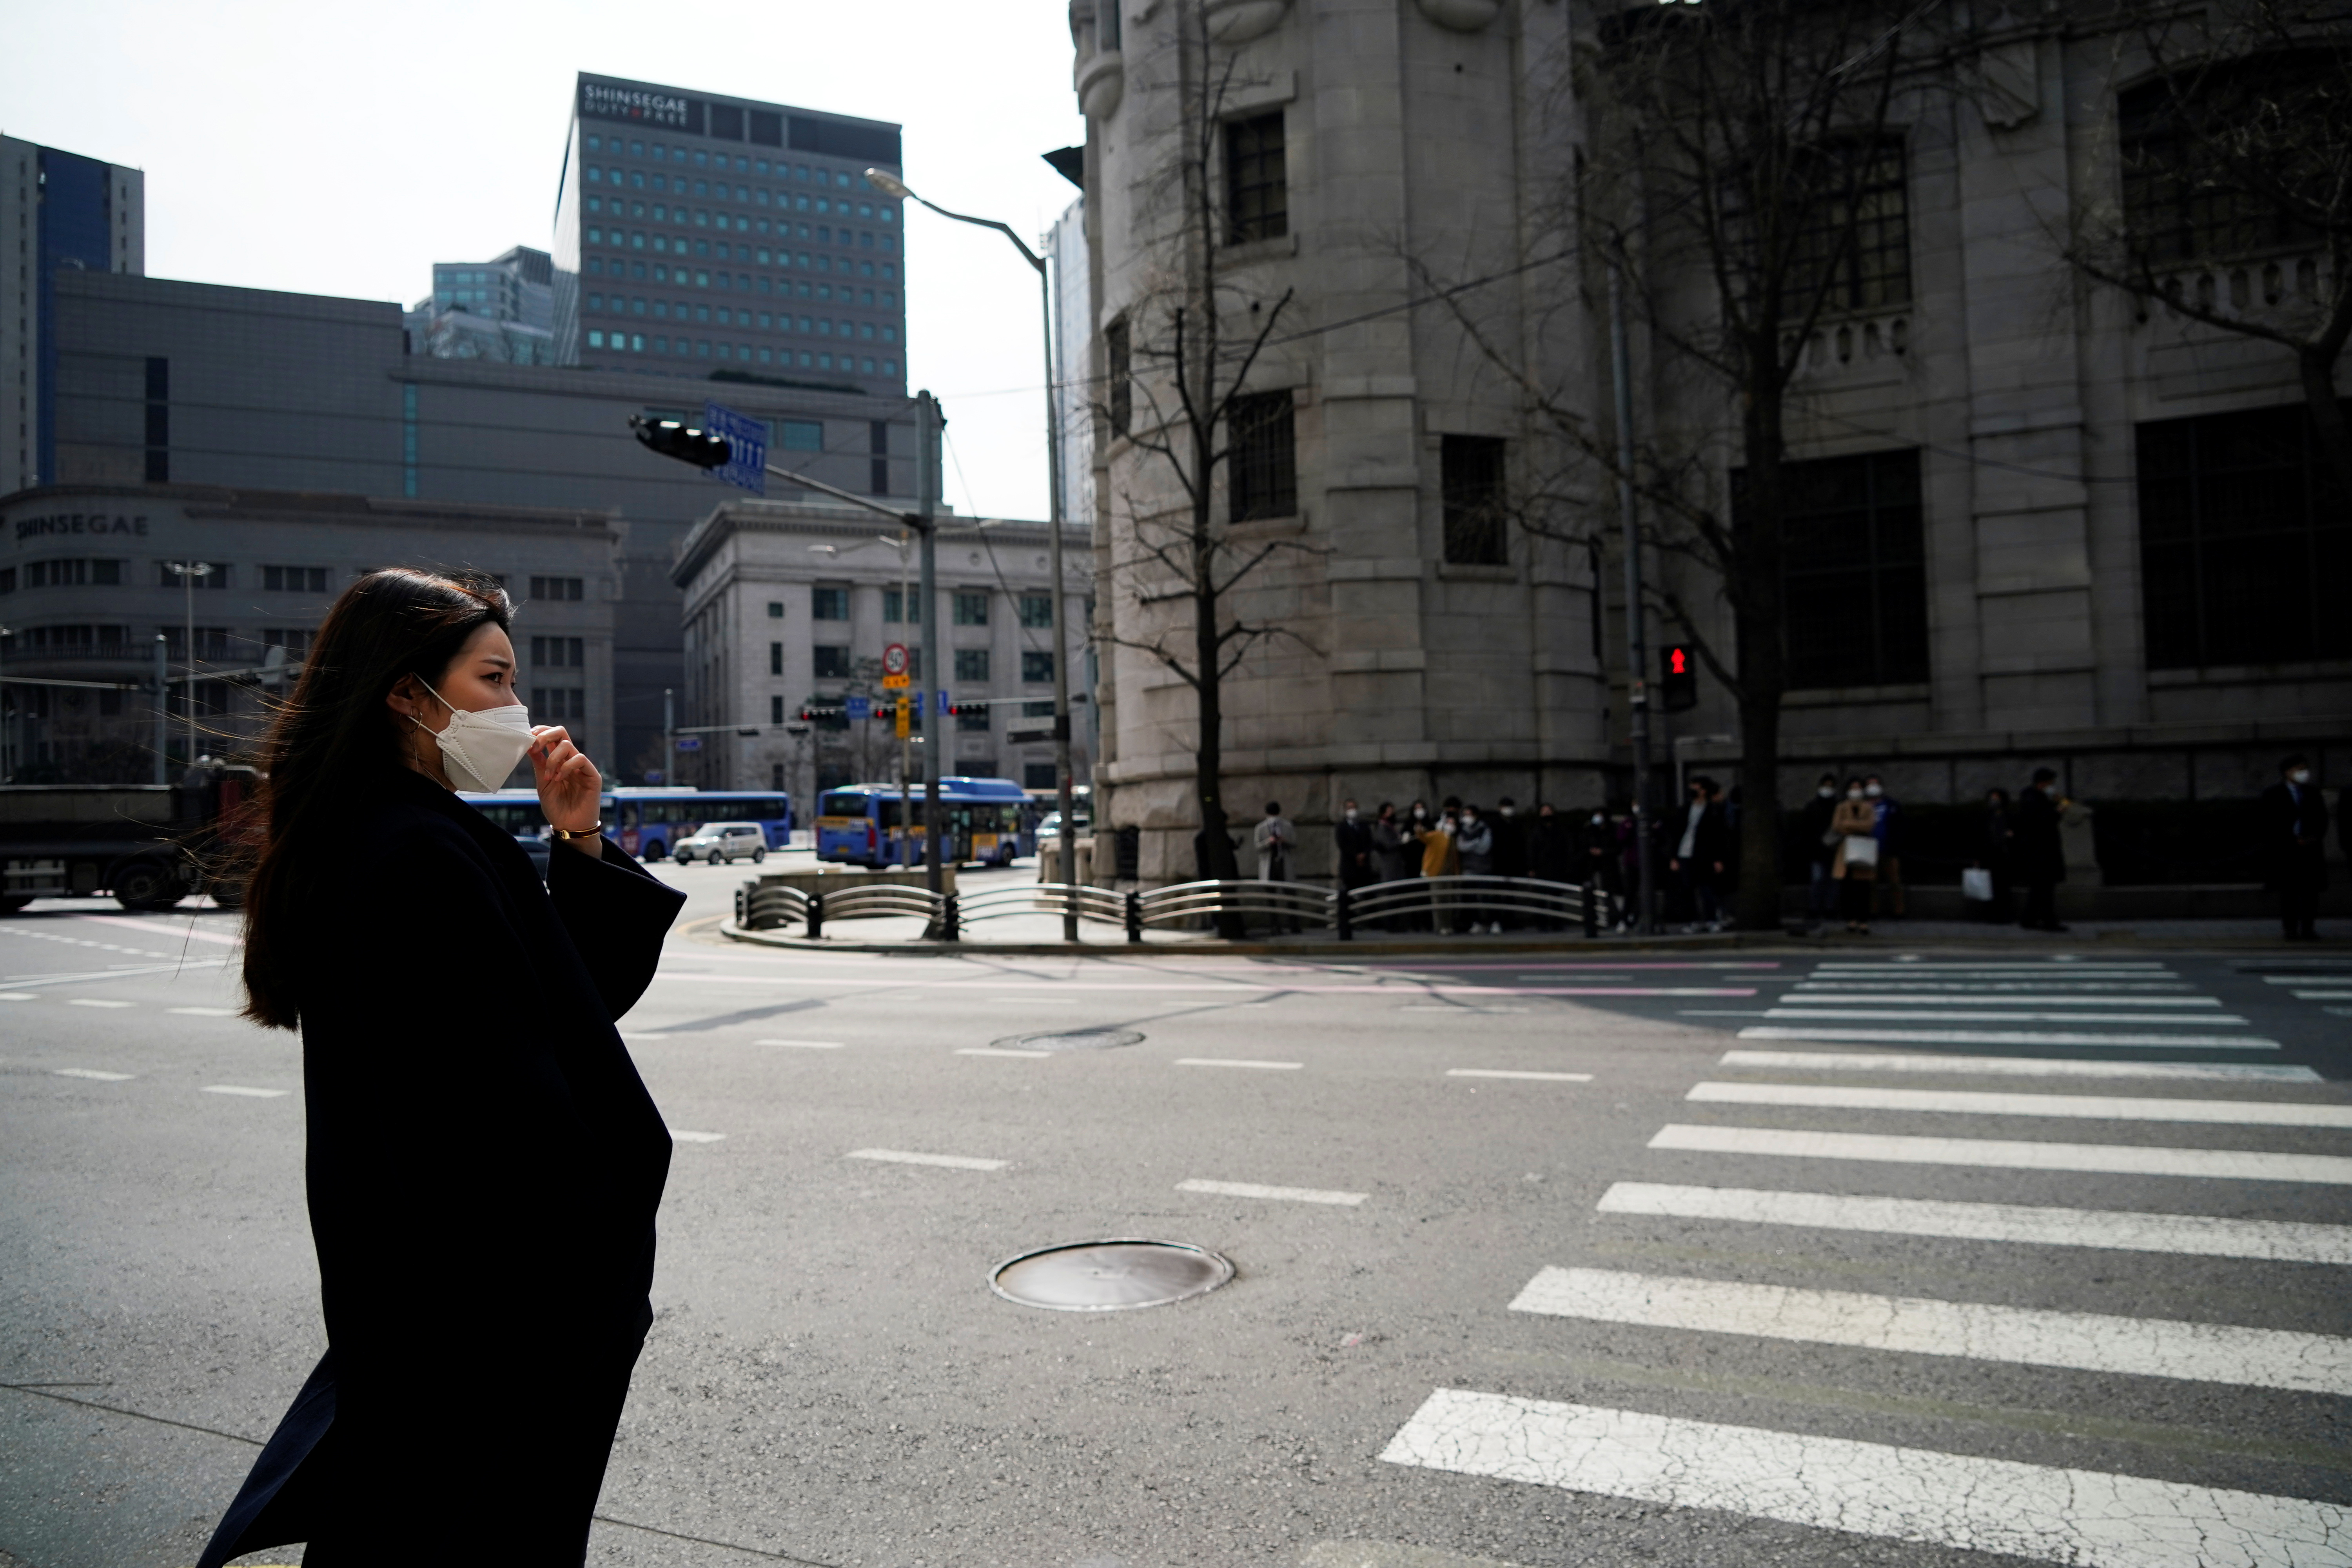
(648, 820)
(987, 821)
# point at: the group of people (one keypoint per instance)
(1854, 834)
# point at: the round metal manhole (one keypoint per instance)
(1109, 1275)
(1072, 1040)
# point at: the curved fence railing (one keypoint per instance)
(1441, 904)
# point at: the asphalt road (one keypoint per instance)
(2035, 1253)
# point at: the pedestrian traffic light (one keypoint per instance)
(687, 443)
(1678, 688)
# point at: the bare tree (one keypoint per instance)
(1178, 389)
(2236, 158)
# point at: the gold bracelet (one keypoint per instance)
(594, 830)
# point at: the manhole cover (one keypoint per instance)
(1109, 1275)
(1072, 1040)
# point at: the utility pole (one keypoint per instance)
(1637, 691)
(669, 740)
(162, 708)
(189, 570)
(926, 488)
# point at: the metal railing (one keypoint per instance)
(1442, 904)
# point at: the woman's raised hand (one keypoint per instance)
(570, 788)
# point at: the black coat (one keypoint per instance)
(1816, 829)
(2295, 838)
(483, 1168)
(1552, 849)
(1354, 839)
(2036, 855)
(1510, 845)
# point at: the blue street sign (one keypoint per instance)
(861, 706)
(747, 446)
(690, 743)
(915, 703)
(943, 704)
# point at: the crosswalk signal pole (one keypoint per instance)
(1637, 694)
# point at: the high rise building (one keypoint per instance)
(57, 210)
(502, 309)
(697, 234)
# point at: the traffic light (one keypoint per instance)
(1678, 682)
(687, 443)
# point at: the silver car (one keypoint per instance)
(718, 842)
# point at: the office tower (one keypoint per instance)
(501, 310)
(704, 235)
(57, 210)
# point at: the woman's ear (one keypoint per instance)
(406, 697)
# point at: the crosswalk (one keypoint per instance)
(1857, 1090)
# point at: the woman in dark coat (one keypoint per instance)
(484, 1162)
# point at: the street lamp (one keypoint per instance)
(1064, 851)
(188, 572)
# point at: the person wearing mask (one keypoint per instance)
(1275, 839)
(485, 1246)
(1855, 823)
(1993, 852)
(2295, 846)
(1551, 852)
(1394, 854)
(2038, 854)
(1475, 839)
(1352, 838)
(1890, 845)
(1441, 856)
(1696, 861)
(1820, 851)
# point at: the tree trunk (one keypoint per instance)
(2316, 367)
(1759, 638)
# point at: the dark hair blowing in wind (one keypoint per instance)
(334, 744)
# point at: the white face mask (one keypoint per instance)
(1351, 814)
(1872, 791)
(1826, 792)
(1510, 811)
(2300, 776)
(1854, 795)
(478, 750)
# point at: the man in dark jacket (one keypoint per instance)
(1353, 838)
(2038, 858)
(2294, 848)
(1820, 851)
(1696, 861)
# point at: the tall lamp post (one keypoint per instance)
(188, 572)
(1064, 851)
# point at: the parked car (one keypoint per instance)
(718, 842)
(1050, 828)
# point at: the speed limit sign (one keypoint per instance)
(894, 659)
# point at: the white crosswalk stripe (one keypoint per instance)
(2107, 1021)
(2017, 1066)
(1981, 1103)
(1974, 1330)
(2270, 1241)
(2042, 1512)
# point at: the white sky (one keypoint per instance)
(342, 147)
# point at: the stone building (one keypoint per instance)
(789, 605)
(2048, 468)
(93, 590)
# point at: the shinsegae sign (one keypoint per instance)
(67, 523)
(645, 107)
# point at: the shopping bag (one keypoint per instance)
(1861, 851)
(1976, 885)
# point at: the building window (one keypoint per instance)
(294, 579)
(559, 653)
(2245, 542)
(563, 588)
(775, 658)
(1853, 571)
(971, 609)
(554, 704)
(158, 421)
(1036, 665)
(1855, 241)
(1265, 480)
(832, 661)
(1257, 197)
(775, 609)
(897, 607)
(2185, 194)
(1037, 610)
(295, 641)
(972, 664)
(1122, 388)
(799, 435)
(828, 603)
(1471, 482)
(1038, 775)
(776, 716)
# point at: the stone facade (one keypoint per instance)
(1427, 143)
(790, 605)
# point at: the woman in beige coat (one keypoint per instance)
(1855, 825)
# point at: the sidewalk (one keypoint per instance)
(1033, 935)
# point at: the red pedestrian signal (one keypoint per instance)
(1678, 688)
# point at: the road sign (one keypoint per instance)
(747, 447)
(896, 682)
(860, 707)
(904, 716)
(941, 699)
(690, 743)
(894, 659)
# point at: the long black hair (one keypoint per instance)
(335, 744)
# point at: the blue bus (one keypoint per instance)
(988, 820)
(648, 820)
